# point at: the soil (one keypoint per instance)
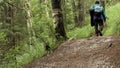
(95, 52)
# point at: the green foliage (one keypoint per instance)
(23, 52)
(29, 53)
(20, 55)
(44, 34)
(83, 32)
(2, 38)
(113, 23)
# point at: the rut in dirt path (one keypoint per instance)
(99, 52)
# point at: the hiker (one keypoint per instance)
(98, 17)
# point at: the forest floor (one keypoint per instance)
(94, 52)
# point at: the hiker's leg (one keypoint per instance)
(101, 28)
(96, 28)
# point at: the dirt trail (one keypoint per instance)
(97, 52)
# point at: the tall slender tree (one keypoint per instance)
(29, 21)
(16, 16)
(64, 5)
(81, 14)
(74, 8)
(8, 21)
(58, 19)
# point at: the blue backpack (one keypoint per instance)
(98, 12)
(97, 8)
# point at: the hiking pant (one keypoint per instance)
(98, 26)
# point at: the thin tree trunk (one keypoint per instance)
(29, 22)
(81, 12)
(47, 12)
(47, 16)
(74, 13)
(63, 3)
(31, 32)
(8, 21)
(58, 19)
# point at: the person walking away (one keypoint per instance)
(99, 18)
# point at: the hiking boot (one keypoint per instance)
(97, 34)
(100, 33)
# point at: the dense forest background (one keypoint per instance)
(30, 29)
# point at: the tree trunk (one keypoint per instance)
(58, 19)
(8, 23)
(29, 21)
(47, 16)
(63, 5)
(81, 14)
(74, 13)
(46, 9)
(15, 19)
(31, 32)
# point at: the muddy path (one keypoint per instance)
(97, 52)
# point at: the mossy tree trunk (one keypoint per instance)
(8, 14)
(30, 31)
(16, 21)
(64, 5)
(58, 19)
(74, 9)
(81, 12)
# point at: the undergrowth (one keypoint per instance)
(24, 54)
(112, 26)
